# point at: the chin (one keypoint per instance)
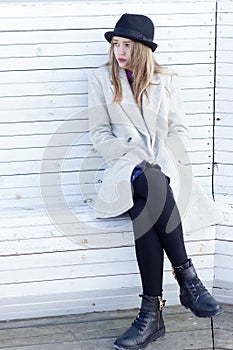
(123, 64)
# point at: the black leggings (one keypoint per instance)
(157, 228)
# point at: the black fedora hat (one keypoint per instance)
(136, 27)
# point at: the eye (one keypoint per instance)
(127, 45)
(116, 44)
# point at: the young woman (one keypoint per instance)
(136, 123)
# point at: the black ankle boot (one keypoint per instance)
(193, 295)
(147, 326)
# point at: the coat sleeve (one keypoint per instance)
(177, 128)
(105, 142)
(178, 133)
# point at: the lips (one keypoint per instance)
(122, 60)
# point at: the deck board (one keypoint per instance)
(98, 330)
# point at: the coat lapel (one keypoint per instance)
(145, 119)
(128, 105)
(150, 109)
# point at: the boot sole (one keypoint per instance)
(202, 314)
(159, 334)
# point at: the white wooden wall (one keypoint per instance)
(54, 259)
(223, 179)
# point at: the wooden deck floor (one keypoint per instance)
(98, 331)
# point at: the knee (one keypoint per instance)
(155, 175)
(157, 182)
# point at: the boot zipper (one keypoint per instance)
(160, 308)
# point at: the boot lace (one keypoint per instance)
(195, 287)
(141, 321)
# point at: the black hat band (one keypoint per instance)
(129, 32)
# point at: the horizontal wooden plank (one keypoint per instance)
(223, 234)
(225, 274)
(89, 257)
(54, 50)
(66, 303)
(69, 152)
(43, 89)
(223, 31)
(225, 44)
(223, 83)
(48, 127)
(224, 169)
(223, 144)
(20, 155)
(200, 161)
(224, 106)
(72, 238)
(224, 56)
(225, 18)
(225, 7)
(78, 164)
(104, 21)
(225, 202)
(65, 9)
(69, 272)
(75, 257)
(223, 132)
(198, 169)
(225, 68)
(223, 294)
(224, 157)
(43, 140)
(88, 61)
(225, 248)
(71, 101)
(43, 114)
(57, 165)
(223, 95)
(97, 35)
(192, 89)
(45, 222)
(60, 272)
(76, 206)
(96, 47)
(15, 187)
(68, 306)
(224, 262)
(74, 102)
(46, 75)
(223, 120)
(67, 285)
(79, 74)
(221, 186)
(83, 147)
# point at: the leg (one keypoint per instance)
(193, 294)
(153, 187)
(149, 324)
(149, 253)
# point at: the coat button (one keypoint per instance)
(129, 139)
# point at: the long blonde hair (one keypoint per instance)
(142, 64)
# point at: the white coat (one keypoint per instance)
(125, 135)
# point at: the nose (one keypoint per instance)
(121, 50)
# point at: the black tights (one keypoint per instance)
(157, 228)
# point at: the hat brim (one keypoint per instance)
(109, 35)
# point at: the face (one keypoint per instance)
(122, 52)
